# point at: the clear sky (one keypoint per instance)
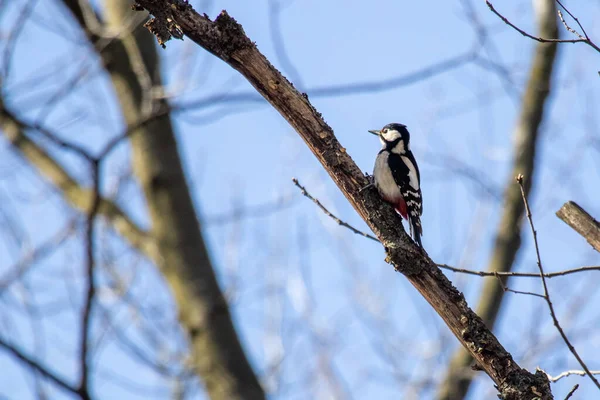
(302, 287)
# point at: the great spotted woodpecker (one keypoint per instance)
(397, 178)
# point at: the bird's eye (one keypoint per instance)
(385, 130)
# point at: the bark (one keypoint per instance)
(180, 251)
(582, 222)
(508, 237)
(226, 39)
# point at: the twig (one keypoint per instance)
(567, 27)
(520, 274)
(46, 248)
(574, 18)
(91, 284)
(569, 373)
(585, 40)
(507, 289)
(546, 292)
(329, 214)
(13, 36)
(37, 367)
(571, 392)
(448, 267)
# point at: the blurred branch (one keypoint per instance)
(80, 197)
(546, 292)
(344, 89)
(85, 363)
(30, 362)
(548, 38)
(226, 39)
(13, 35)
(181, 253)
(508, 237)
(248, 212)
(20, 268)
(582, 222)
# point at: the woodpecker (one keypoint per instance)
(397, 178)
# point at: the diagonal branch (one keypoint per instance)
(43, 371)
(81, 198)
(226, 39)
(329, 214)
(582, 222)
(543, 39)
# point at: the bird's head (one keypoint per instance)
(394, 137)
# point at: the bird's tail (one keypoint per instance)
(416, 230)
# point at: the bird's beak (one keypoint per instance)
(375, 132)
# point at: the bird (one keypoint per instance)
(397, 178)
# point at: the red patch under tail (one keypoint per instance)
(401, 208)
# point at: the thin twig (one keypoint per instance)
(546, 292)
(507, 289)
(85, 363)
(571, 392)
(19, 269)
(11, 40)
(448, 267)
(540, 39)
(37, 367)
(520, 274)
(568, 373)
(329, 214)
(574, 18)
(567, 27)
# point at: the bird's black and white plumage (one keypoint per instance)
(397, 178)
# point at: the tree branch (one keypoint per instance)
(181, 254)
(582, 222)
(547, 293)
(90, 292)
(226, 39)
(46, 373)
(543, 39)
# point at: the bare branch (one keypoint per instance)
(85, 363)
(574, 18)
(329, 214)
(546, 292)
(19, 269)
(226, 39)
(571, 392)
(507, 238)
(494, 274)
(569, 373)
(13, 36)
(582, 222)
(46, 373)
(581, 39)
(519, 274)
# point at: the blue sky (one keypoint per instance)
(301, 285)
